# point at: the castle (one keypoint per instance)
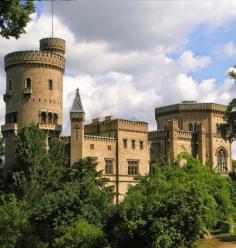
(122, 148)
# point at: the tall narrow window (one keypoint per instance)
(28, 83)
(50, 118)
(9, 84)
(141, 145)
(190, 127)
(133, 144)
(55, 118)
(108, 166)
(50, 84)
(124, 143)
(132, 167)
(43, 117)
(221, 161)
(91, 146)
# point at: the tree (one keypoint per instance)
(172, 208)
(228, 129)
(14, 16)
(81, 234)
(13, 220)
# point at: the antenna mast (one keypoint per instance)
(52, 16)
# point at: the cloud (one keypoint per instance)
(120, 55)
(227, 50)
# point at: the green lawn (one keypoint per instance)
(212, 243)
(218, 241)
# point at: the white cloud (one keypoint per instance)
(118, 54)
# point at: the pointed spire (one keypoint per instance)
(77, 104)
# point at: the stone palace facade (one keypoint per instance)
(122, 148)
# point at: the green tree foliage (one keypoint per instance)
(14, 16)
(228, 129)
(81, 234)
(57, 199)
(172, 208)
(13, 221)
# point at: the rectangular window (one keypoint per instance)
(133, 144)
(50, 84)
(108, 166)
(109, 147)
(125, 143)
(141, 145)
(9, 85)
(91, 146)
(133, 167)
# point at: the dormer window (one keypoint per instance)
(50, 84)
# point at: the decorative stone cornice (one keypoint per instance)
(194, 107)
(35, 58)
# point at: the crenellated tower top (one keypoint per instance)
(54, 45)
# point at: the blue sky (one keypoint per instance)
(128, 57)
(206, 41)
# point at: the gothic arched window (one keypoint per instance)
(221, 161)
(43, 117)
(190, 127)
(195, 127)
(55, 118)
(50, 118)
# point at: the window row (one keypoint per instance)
(48, 117)
(92, 147)
(28, 84)
(133, 167)
(133, 144)
(192, 127)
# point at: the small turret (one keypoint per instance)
(77, 116)
(53, 45)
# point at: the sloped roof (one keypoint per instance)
(77, 104)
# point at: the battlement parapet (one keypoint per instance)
(190, 106)
(157, 134)
(184, 134)
(99, 138)
(54, 45)
(129, 122)
(40, 58)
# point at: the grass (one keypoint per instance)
(218, 240)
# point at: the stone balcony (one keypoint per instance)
(50, 126)
(7, 95)
(27, 91)
(9, 128)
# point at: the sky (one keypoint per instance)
(128, 57)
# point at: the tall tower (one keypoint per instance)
(34, 91)
(77, 116)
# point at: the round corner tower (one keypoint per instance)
(34, 91)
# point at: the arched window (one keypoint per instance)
(190, 127)
(28, 83)
(221, 161)
(55, 118)
(195, 127)
(43, 117)
(50, 118)
(50, 84)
